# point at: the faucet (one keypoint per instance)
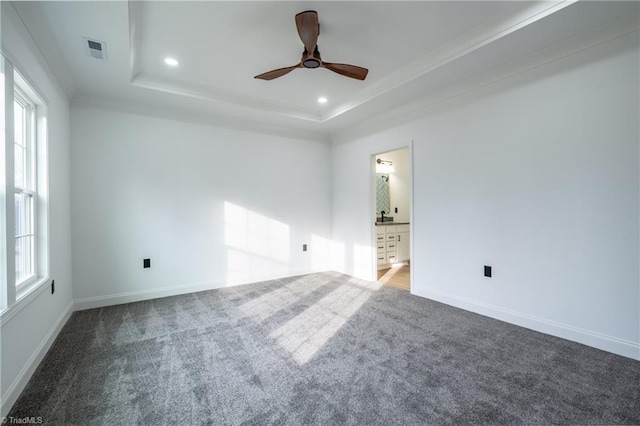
(382, 216)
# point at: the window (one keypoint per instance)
(24, 188)
(24, 263)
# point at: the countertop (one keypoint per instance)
(391, 223)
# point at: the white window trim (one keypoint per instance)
(14, 298)
(31, 184)
(30, 135)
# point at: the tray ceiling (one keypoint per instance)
(412, 49)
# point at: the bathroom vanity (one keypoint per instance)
(392, 242)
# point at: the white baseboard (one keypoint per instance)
(612, 344)
(17, 386)
(140, 295)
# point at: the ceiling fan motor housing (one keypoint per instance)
(311, 63)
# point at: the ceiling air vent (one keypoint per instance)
(95, 48)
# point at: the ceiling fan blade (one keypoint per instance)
(308, 29)
(347, 70)
(270, 75)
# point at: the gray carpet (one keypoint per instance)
(319, 349)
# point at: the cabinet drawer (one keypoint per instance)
(402, 228)
(391, 257)
(391, 237)
(391, 246)
(380, 238)
(390, 229)
(381, 248)
(381, 258)
(379, 230)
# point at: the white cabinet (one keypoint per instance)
(392, 242)
(402, 243)
(381, 245)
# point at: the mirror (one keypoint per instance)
(382, 194)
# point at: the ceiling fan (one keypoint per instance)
(308, 30)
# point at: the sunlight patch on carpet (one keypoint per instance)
(263, 307)
(305, 334)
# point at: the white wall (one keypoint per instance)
(27, 334)
(211, 207)
(536, 175)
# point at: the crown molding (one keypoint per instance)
(196, 117)
(463, 45)
(209, 93)
(32, 20)
(470, 41)
(626, 26)
(146, 80)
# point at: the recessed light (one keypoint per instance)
(171, 62)
(322, 100)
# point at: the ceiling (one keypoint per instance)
(414, 51)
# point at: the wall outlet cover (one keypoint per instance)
(487, 271)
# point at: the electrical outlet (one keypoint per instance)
(53, 286)
(304, 247)
(487, 271)
(146, 263)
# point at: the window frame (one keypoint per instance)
(30, 187)
(13, 298)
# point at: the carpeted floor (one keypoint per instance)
(319, 349)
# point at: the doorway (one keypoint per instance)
(391, 211)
